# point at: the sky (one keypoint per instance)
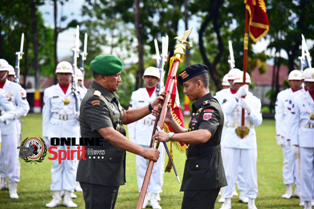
(72, 8)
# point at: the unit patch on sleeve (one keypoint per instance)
(207, 116)
(95, 102)
(208, 110)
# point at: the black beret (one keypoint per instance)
(191, 72)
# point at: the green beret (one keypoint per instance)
(106, 65)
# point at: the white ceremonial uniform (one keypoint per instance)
(222, 96)
(239, 150)
(60, 119)
(302, 135)
(9, 132)
(140, 132)
(283, 107)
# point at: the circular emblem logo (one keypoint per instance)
(33, 150)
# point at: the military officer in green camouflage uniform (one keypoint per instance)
(204, 173)
(101, 116)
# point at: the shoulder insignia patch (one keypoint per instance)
(95, 102)
(97, 93)
(208, 110)
(207, 116)
(206, 102)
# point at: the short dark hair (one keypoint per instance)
(204, 78)
(95, 75)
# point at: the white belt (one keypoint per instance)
(308, 125)
(64, 117)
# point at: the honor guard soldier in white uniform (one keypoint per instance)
(290, 170)
(221, 97)
(140, 132)
(302, 135)
(9, 133)
(11, 75)
(60, 119)
(241, 150)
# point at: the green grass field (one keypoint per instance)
(34, 187)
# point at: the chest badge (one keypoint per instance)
(66, 101)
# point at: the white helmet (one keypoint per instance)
(4, 65)
(238, 78)
(309, 75)
(152, 71)
(79, 75)
(64, 67)
(295, 75)
(225, 81)
(232, 73)
(11, 71)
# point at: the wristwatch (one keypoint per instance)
(170, 135)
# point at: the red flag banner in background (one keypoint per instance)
(259, 25)
(175, 102)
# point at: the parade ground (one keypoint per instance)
(34, 187)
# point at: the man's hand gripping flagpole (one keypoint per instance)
(179, 52)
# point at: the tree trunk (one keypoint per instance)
(213, 14)
(186, 21)
(35, 42)
(140, 70)
(55, 9)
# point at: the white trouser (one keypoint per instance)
(248, 158)
(307, 173)
(290, 171)
(239, 180)
(63, 175)
(9, 157)
(156, 179)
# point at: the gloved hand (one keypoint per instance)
(244, 104)
(280, 140)
(2, 119)
(295, 151)
(243, 90)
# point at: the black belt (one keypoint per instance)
(202, 151)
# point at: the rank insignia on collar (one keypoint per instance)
(206, 102)
(97, 93)
(207, 116)
(184, 75)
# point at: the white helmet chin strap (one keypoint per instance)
(5, 75)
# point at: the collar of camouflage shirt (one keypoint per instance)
(199, 103)
(107, 94)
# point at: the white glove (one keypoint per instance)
(280, 140)
(295, 151)
(2, 119)
(243, 90)
(244, 104)
(77, 115)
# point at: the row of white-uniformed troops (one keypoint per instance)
(13, 105)
(295, 133)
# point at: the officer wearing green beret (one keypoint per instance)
(204, 173)
(101, 116)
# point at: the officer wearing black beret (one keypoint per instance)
(204, 173)
(101, 116)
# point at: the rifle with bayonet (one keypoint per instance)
(76, 54)
(160, 63)
(231, 61)
(83, 57)
(17, 61)
(174, 65)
